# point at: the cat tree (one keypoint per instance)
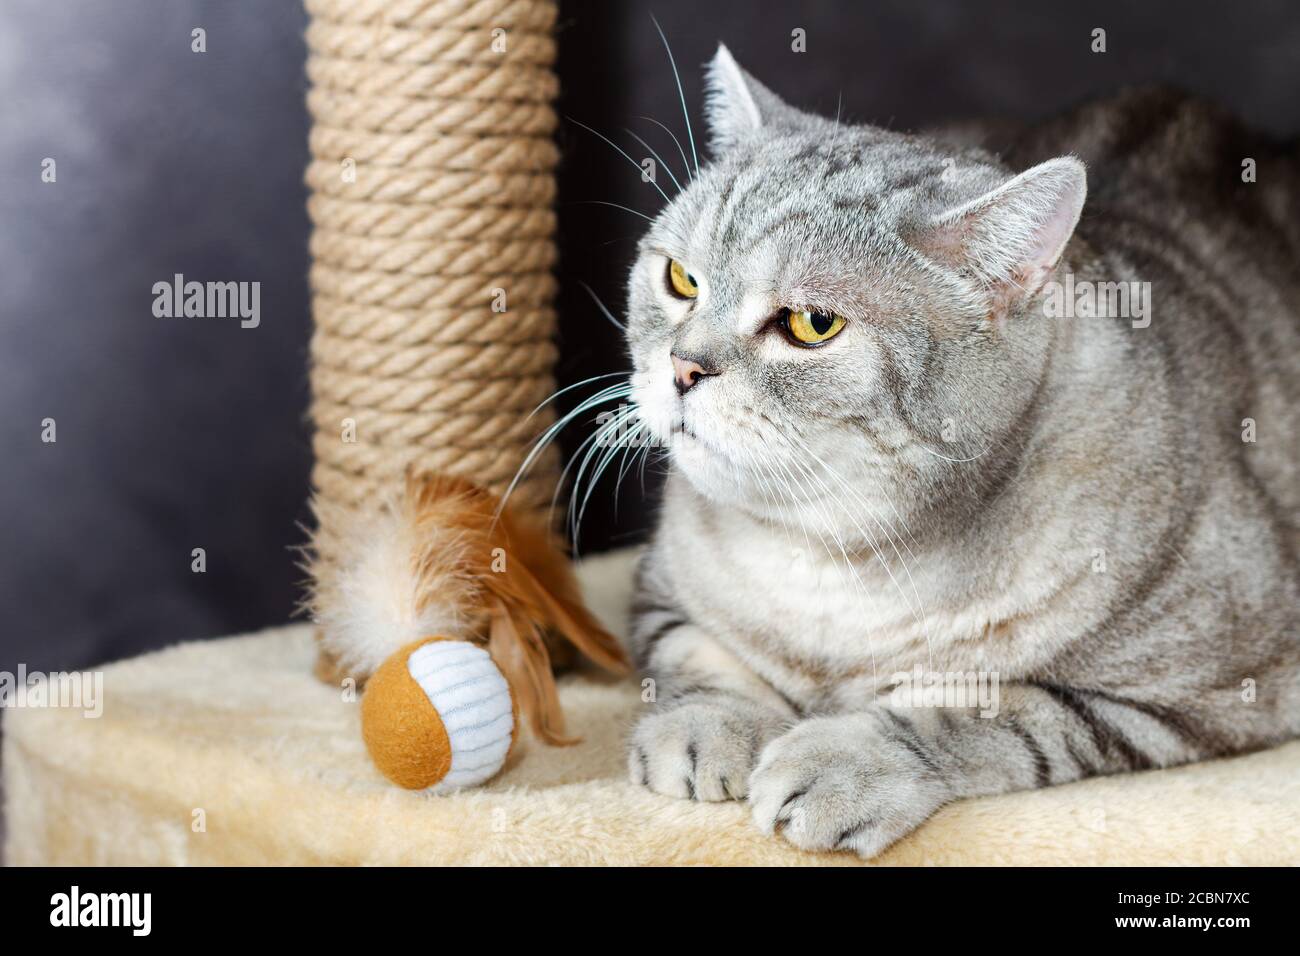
(432, 189)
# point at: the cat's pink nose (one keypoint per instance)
(687, 373)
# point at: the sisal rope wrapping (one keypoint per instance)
(451, 145)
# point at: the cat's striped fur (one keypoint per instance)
(956, 482)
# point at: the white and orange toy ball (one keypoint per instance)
(439, 715)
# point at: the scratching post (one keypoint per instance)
(434, 235)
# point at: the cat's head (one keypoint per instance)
(831, 312)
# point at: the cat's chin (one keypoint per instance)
(712, 473)
(707, 470)
(690, 452)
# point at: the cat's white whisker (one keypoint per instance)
(659, 159)
(604, 463)
(639, 431)
(568, 388)
(685, 162)
(621, 389)
(891, 535)
(591, 440)
(955, 461)
(690, 135)
(920, 603)
(867, 537)
(622, 152)
(849, 565)
(601, 305)
(601, 202)
(612, 427)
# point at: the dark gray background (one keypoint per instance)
(181, 434)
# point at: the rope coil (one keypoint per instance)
(432, 179)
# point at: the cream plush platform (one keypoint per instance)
(239, 729)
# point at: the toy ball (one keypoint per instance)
(438, 715)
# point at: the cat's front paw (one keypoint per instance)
(844, 783)
(700, 750)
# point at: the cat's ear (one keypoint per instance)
(736, 105)
(1012, 237)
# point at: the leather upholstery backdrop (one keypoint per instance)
(175, 434)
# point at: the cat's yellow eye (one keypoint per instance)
(812, 328)
(682, 282)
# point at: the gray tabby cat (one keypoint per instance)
(886, 456)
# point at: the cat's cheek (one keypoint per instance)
(657, 405)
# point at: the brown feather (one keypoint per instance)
(516, 645)
(522, 583)
(545, 576)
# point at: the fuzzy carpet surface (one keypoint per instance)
(230, 752)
